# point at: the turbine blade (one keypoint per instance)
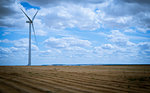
(34, 15)
(34, 34)
(26, 15)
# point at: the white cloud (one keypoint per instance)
(21, 43)
(76, 48)
(119, 39)
(144, 30)
(129, 30)
(102, 52)
(24, 43)
(83, 14)
(12, 51)
(4, 50)
(115, 53)
(5, 41)
(17, 49)
(55, 43)
(41, 33)
(144, 50)
(107, 46)
(70, 46)
(45, 53)
(66, 42)
(144, 45)
(119, 46)
(68, 16)
(5, 33)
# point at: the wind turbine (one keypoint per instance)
(30, 25)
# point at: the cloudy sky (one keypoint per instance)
(76, 32)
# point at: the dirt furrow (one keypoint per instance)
(84, 84)
(14, 86)
(5, 88)
(104, 81)
(75, 79)
(59, 88)
(22, 86)
(80, 85)
(105, 84)
(67, 86)
(78, 88)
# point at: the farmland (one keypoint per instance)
(75, 79)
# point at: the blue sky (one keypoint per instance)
(76, 32)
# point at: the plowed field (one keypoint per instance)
(75, 79)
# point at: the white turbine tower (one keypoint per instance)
(30, 24)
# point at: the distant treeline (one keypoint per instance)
(89, 64)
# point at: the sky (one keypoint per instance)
(76, 32)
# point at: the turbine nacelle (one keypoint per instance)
(28, 21)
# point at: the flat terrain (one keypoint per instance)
(75, 79)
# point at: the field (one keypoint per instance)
(75, 79)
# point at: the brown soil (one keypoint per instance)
(75, 79)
